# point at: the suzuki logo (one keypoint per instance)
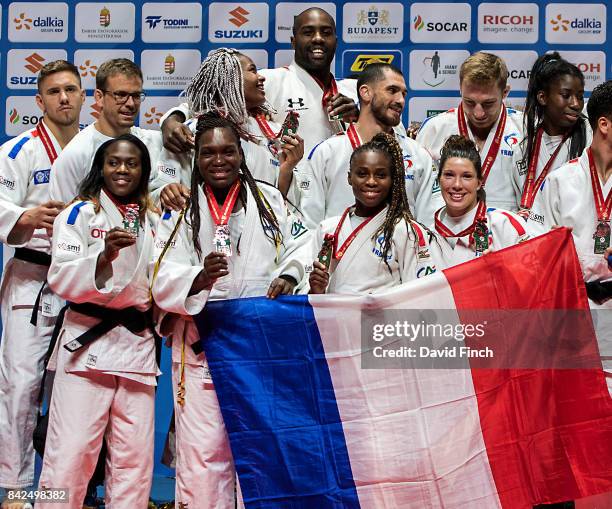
(239, 18)
(35, 63)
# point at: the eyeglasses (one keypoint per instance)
(122, 97)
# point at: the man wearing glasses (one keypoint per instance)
(118, 97)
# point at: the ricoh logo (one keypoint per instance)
(239, 16)
(516, 19)
(502, 22)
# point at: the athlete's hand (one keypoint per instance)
(413, 129)
(319, 278)
(282, 285)
(174, 196)
(176, 136)
(116, 240)
(292, 151)
(41, 216)
(215, 266)
(345, 106)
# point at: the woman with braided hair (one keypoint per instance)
(235, 241)
(376, 244)
(227, 83)
(555, 128)
(468, 228)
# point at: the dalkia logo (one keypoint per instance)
(362, 61)
(560, 23)
(34, 63)
(96, 111)
(239, 16)
(153, 116)
(14, 117)
(105, 17)
(87, 68)
(22, 22)
(169, 64)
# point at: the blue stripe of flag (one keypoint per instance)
(277, 400)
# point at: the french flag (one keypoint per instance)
(311, 426)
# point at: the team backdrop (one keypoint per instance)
(427, 40)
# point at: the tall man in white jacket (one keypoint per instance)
(118, 95)
(26, 218)
(482, 116)
(325, 189)
(306, 86)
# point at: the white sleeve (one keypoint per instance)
(295, 252)
(426, 190)
(427, 136)
(14, 179)
(508, 230)
(72, 274)
(67, 173)
(312, 199)
(177, 270)
(181, 108)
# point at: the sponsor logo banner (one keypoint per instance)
(89, 60)
(238, 22)
(436, 69)
(372, 23)
(507, 23)
(591, 63)
(576, 23)
(89, 112)
(154, 108)
(258, 56)
(440, 22)
(23, 66)
(519, 65)
(355, 61)
(172, 22)
(99, 22)
(419, 108)
(285, 12)
(38, 22)
(21, 114)
(169, 69)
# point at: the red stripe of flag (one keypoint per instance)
(548, 432)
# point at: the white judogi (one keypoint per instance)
(325, 192)
(501, 189)
(105, 389)
(291, 88)
(177, 168)
(24, 178)
(204, 468)
(505, 229)
(362, 268)
(566, 199)
(74, 163)
(548, 146)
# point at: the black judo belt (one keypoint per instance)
(599, 292)
(131, 318)
(31, 256)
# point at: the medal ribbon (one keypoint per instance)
(265, 126)
(42, 133)
(443, 230)
(221, 214)
(339, 253)
(603, 209)
(353, 136)
(531, 183)
(329, 92)
(487, 164)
